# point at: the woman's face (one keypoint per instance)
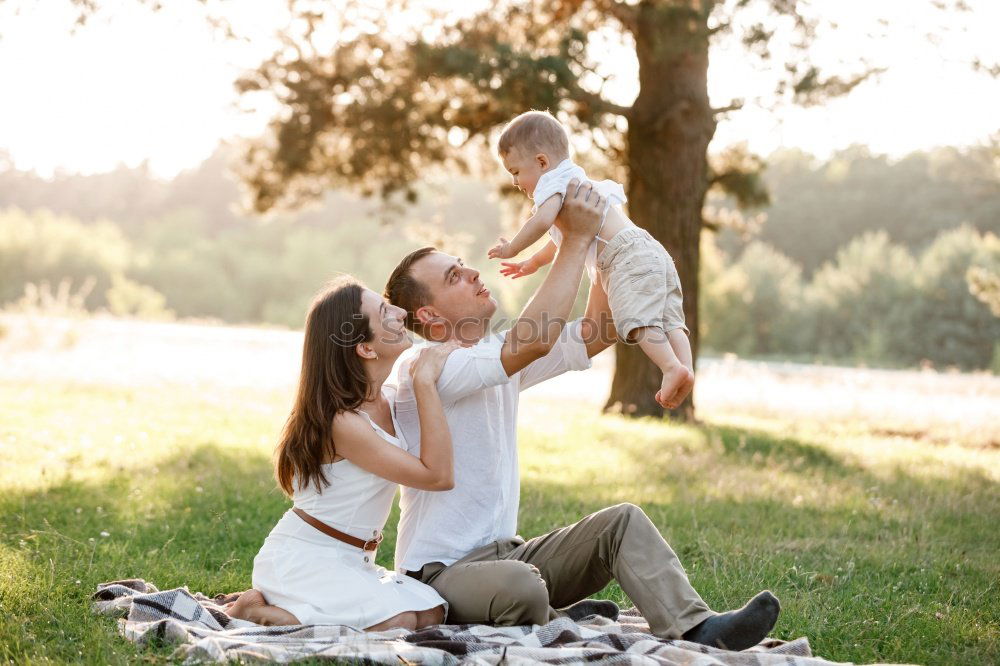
(389, 336)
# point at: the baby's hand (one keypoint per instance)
(501, 250)
(517, 269)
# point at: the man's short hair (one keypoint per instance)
(535, 131)
(405, 291)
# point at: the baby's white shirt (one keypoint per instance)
(555, 182)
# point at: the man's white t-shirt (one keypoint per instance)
(480, 405)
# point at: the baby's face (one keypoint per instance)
(525, 168)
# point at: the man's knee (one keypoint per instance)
(521, 596)
(626, 513)
(519, 580)
(625, 518)
(629, 510)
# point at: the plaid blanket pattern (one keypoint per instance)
(203, 632)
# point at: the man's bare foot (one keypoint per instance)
(675, 387)
(252, 606)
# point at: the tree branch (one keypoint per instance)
(735, 105)
(598, 102)
(990, 69)
(722, 27)
(809, 88)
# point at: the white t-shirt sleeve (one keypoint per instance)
(547, 186)
(555, 235)
(555, 182)
(569, 353)
(471, 369)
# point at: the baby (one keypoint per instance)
(626, 265)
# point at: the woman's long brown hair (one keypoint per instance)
(332, 380)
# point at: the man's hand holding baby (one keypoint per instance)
(580, 215)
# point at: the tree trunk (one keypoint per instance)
(669, 129)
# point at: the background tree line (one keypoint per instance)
(860, 259)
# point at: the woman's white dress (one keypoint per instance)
(321, 580)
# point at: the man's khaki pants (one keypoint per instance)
(512, 582)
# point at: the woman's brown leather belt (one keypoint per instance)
(369, 545)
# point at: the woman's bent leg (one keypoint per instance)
(429, 617)
(252, 606)
(407, 620)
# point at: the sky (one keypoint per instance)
(136, 86)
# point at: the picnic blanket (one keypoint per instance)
(203, 632)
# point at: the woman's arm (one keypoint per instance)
(434, 469)
(435, 436)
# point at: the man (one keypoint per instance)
(462, 542)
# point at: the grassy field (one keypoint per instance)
(881, 542)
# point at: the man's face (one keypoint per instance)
(457, 294)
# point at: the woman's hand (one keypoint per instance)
(426, 368)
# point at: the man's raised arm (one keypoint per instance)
(540, 324)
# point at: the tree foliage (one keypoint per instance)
(954, 324)
(875, 303)
(751, 306)
(377, 107)
(985, 285)
(819, 206)
(862, 298)
(42, 247)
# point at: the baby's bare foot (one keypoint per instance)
(675, 387)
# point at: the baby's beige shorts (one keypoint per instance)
(641, 282)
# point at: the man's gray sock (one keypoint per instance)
(738, 629)
(588, 607)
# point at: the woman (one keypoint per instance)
(340, 459)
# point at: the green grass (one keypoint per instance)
(881, 547)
